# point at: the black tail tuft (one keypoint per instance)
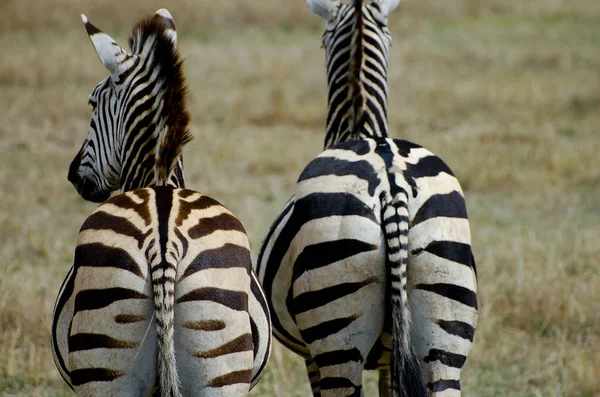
(407, 379)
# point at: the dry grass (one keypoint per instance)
(507, 92)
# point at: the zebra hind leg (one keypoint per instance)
(344, 379)
(314, 376)
(385, 383)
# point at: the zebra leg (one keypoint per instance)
(339, 345)
(314, 376)
(444, 313)
(344, 379)
(385, 383)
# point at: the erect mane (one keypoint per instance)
(175, 118)
(356, 65)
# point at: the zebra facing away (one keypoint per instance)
(161, 299)
(369, 265)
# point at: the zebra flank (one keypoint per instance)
(369, 265)
(161, 299)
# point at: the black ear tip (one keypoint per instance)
(165, 18)
(91, 29)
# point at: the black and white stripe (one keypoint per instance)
(161, 298)
(369, 265)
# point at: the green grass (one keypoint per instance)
(506, 92)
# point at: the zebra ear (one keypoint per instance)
(323, 8)
(110, 53)
(165, 18)
(388, 6)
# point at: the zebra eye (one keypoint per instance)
(92, 103)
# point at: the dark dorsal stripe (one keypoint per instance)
(356, 61)
(356, 65)
(164, 204)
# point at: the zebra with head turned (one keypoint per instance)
(162, 297)
(369, 265)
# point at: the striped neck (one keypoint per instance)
(155, 126)
(357, 51)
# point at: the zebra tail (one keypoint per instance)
(407, 380)
(164, 301)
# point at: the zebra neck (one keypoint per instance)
(148, 179)
(162, 166)
(357, 82)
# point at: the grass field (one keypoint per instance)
(507, 92)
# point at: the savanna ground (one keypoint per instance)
(507, 92)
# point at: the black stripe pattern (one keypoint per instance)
(159, 272)
(335, 264)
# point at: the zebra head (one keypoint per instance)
(139, 121)
(356, 42)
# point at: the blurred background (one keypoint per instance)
(506, 92)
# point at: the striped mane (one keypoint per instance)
(356, 48)
(151, 40)
(355, 78)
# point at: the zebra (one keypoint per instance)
(161, 299)
(369, 265)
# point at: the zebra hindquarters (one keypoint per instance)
(443, 285)
(338, 298)
(214, 337)
(112, 340)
